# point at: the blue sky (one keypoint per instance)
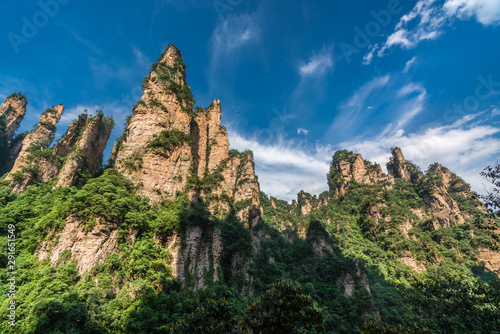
(297, 79)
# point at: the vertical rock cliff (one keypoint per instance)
(12, 112)
(24, 170)
(87, 151)
(168, 147)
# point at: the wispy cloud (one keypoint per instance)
(368, 58)
(428, 18)
(409, 64)
(229, 39)
(302, 131)
(353, 109)
(485, 11)
(318, 64)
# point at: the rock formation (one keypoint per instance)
(347, 166)
(399, 167)
(12, 111)
(87, 152)
(23, 172)
(168, 148)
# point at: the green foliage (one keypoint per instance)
(457, 303)
(48, 125)
(492, 199)
(169, 139)
(217, 317)
(371, 327)
(284, 309)
(19, 96)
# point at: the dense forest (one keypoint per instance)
(106, 249)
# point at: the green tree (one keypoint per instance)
(492, 199)
(284, 309)
(457, 304)
(213, 318)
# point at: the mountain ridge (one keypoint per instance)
(178, 213)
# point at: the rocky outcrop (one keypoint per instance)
(491, 259)
(399, 167)
(168, 147)
(349, 281)
(155, 152)
(12, 111)
(349, 167)
(413, 263)
(308, 202)
(87, 247)
(77, 155)
(24, 171)
(86, 151)
(443, 206)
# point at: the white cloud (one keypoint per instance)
(234, 33)
(367, 59)
(427, 19)
(409, 64)
(351, 110)
(286, 167)
(302, 131)
(318, 64)
(485, 11)
(230, 38)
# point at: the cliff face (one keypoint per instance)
(23, 172)
(347, 167)
(168, 148)
(87, 247)
(86, 153)
(12, 111)
(398, 167)
(78, 154)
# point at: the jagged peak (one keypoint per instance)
(52, 115)
(399, 167)
(397, 155)
(171, 55)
